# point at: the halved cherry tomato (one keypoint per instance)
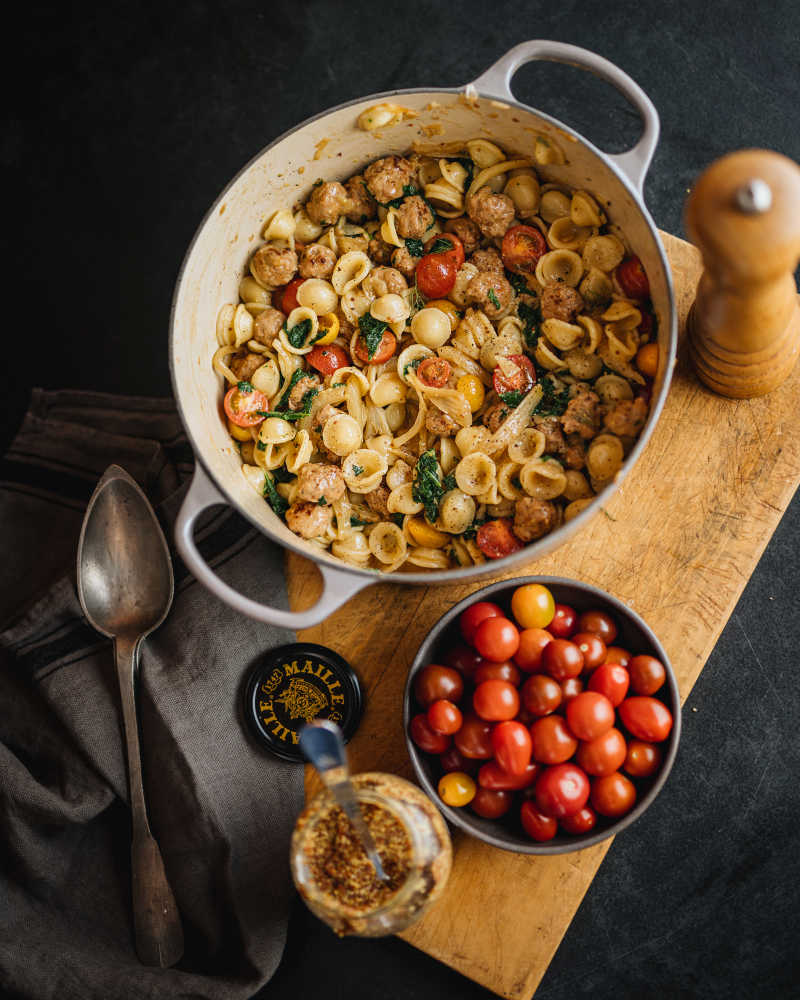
(532, 605)
(580, 822)
(592, 647)
(491, 775)
(327, 358)
(433, 683)
(520, 379)
(289, 295)
(503, 671)
(511, 743)
(521, 249)
(495, 701)
(241, 405)
(647, 674)
(602, 755)
(491, 803)
(531, 644)
(552, 741)
(564, 623)
(384, 350)
(541, 695)
(642, 759)
(426, 738)
(456, 253)
(436, 275)
(632, 279)
(538, 826)
(562, 659)
(645, 718)
(613, 795)
(495, 539)
(444, 717)
(561, 790)
(464, 659)
(612, 680)
(589, 715)
(474, 738)
(434, 372)
(497, 639)
(471, 618)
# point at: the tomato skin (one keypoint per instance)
(505, 671)
(600, 623)
(571, 688)
(602, 755)
(434, 372)
(562, 659)
(497, 639)
(541, 695)
(464, 659)
(425, 737)
(580, 822)
(436, 275)
(642, 759)
(616, 654)
(474, 738)
(632, 279)
(511, 743)
(612, 680)
(240, 407)
(289, 295)
(551, 740)
(561, 790)
(538, 826)
(492, 775)
(521, 249)
(491, 803)
(647, 674)
(384, 350)
(456, 254)
(589, 715)
(592, 647)
(646, 718)
(613, 795)
(433, 683)
(564, 623)
(495, 539)
(327, 358)
(495, 701)
(471, 617)
(522, 380)
(533, 606)
(444, 717)
(531, 644)
(453, 760)
(456, 789)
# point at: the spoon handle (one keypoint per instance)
(156, 921)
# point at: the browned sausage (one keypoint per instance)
(300, 388)
(317, 261)
(385, 280)
(494, 415)
(560, 301)
(379, 251)
(583, 414)
(404, 262)
(440, 423)
(317, 481)
(309, 520)
(488, 261)
(554, 443)
(490, 292)
(268, 325)
(274, 266)
(627, 418)
(387, 177)
(466, 230)
(575, 453)
(492, 213)
(534, 518)
(376, 500)
(414, 217)
(360, 205)
(243, 368)
(327, 202)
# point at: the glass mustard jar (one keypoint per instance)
(336, 879)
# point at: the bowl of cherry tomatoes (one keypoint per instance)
(542, 715)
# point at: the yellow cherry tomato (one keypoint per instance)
(456, 789)
(425, 534)
(330, 323)
(647, 359)
(533, 606)
(448, 308)
(471, 387)
(239, 433)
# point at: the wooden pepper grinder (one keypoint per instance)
(744, 325)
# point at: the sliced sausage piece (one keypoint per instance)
(414, 217)
(560, 301)
(627, 418)
(274, 266)
(583, 414)
(387, 280)
(243, 368)
(492, 213)
(387, 177)
(327, 202)
(490, 292)
(360, 205)
(494, 415)
(488, 261)
(309, 520)
(534, 518)
(554, 443)
(466, 230)
(440, 423)
(300, 388)
(268, 325)
(575, 453)
(317, 261)
(317, 481)
(376, 500)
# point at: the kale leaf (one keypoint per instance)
(372, 331)
(518, 283)
(245, 387)
(513, 398)
(415, 247)
(441, 245)
(428, 488)
(493, 298)
(409, 190)
(304, 410)
(531, 317)
(278, 503)
(297, 374)
(297, 334)
(553, 402)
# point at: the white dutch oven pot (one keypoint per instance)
(331, 146)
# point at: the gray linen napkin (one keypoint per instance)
(221, 808)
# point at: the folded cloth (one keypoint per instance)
(221, 808)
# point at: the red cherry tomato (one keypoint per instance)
(289, 295)
(241, 405)
(436, 275)
(491, 803)
(589, 715)
(541, 695)
(470, 619)
(642, 759)
(632, 279)
(561, 790)
(474, 738)
(521, 379)
(580, 822)
(570, 688)
(521, 249)
(434, 372)
(647, 674)
(327, 358)
(505, 671)
(531, 643)
(384, 350)
(464, 659)
(538, 826)
(452, 760)
(495, 539)
(612, 680)
(551, 740)
(511, 743)
(497, 639)
(495, 701)
(613, 795)
(564, 622)
(600, 623)
(433, 683)
(602, 755)
(562, 659)
(444, 717)
(616, 654)
(425, 737)
(456, 251)
(592, 647)
(491, 775)
(646, 718)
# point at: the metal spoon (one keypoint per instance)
(125, 587)
(322, 743)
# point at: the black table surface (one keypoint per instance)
(125, 123)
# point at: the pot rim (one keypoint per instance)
(530, 552)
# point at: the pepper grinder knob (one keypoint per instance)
(744, 325)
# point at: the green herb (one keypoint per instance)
(317, 182)
(414, 247)
(245, 387)
(518, 283)
(441, 245)
(416, 300)
(513, 398)
(398, 519)
(469, 166)
(412, 364)
(472, 530)
(358, 470)
(261, 445)
(449, 483)
(304, 410)
(278, 503)
(356, 522)
(531, 317)
(282, 475)
(493, 298)
(409, 190)
(428, 488)
(553, 402)
(322, 502)
(298, 334)
(297, 374)
(550, 458)
(321, 332)
(372, 331)
(607, 514)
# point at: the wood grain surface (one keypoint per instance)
(677, 543)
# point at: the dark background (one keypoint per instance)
(126, 123)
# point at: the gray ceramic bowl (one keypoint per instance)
(634, 635)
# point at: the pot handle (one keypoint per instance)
(337, 586)
(496, 81)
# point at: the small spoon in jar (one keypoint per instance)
(322, 743)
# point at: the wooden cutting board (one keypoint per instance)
(677, 543)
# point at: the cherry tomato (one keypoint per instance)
(289, 295)
(570, 688)
(645, 332)
(616, 654)
(647, 357)
(452, 760)
(647, 674)
(491, 803)
(470, 619)
(551, 740)
(445, 717)
(495, 701)
(580, 822)
(456, 251)
(464, 659)
(531, 643)
(521, 379)
(602, 755)
(491, 775)
(521, 249)
(495, 539)
(632, 279)
(612, 680)
(592, 647)
(327, 358)
(645, 718)
(505, 671)
(474, 738)
(511, 743)
(384, 350)
(564, 621)
(541, 695)
(562, 659)
(240, 406)
(538, 826)
(561, 790)
(600, 623)
(433, 683)
(642, 759)
(425, 737)
(613, 795)
(456, 789)
(533, 606)
(589, 715)
(434, 372)
(436, 275)
(497, 639)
